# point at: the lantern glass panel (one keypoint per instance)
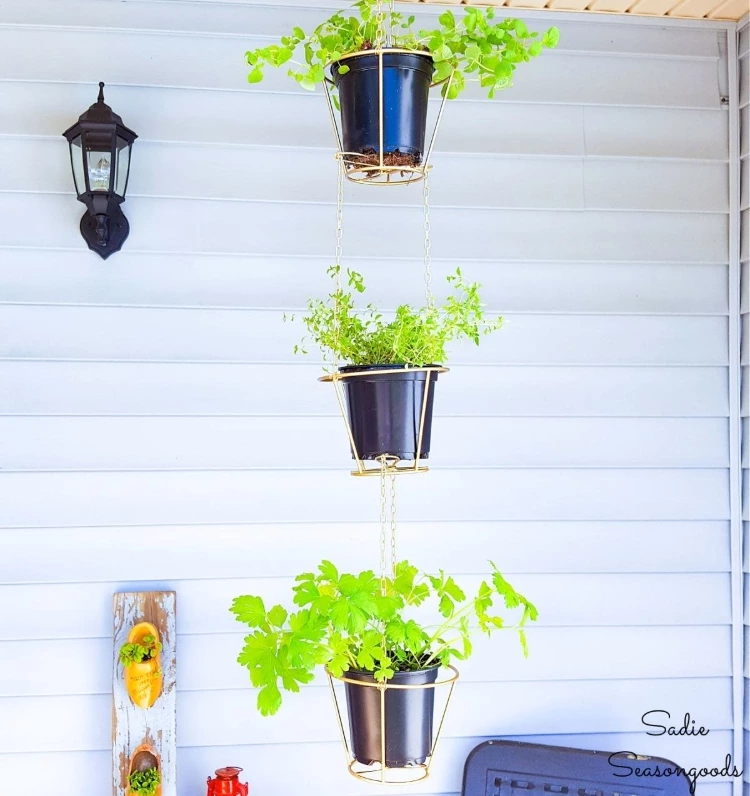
(100, 169)
(76, 161)
(123, 166)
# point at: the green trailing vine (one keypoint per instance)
(476, 47)
(363, 622)
(144, 783)
(412, 336)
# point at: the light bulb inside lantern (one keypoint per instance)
(99, 171)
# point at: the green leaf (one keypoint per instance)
(255, 76)
(269, 699)
(298, 33)
(328, 571)
(551, 38)
(277, 616)
(249, 610)
(447, 19)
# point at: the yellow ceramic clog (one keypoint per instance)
(144, 680)
(144, 758)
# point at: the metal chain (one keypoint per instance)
(338, 257)
(383, 523)
(380, 31)
(427, 257)
(393, 525)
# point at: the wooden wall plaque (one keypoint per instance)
(138, 729)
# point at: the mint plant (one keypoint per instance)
(139, 653)
(476, 47)
(144, 783)
(413, 336)
(363, 622)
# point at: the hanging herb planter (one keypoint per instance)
(359, 628)
(377, 70)
(386, 394)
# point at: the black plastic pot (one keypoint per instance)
(408, 718)
(406, 87)
(385, 411)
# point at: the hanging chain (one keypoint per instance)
(337, 264)
(380, 31)
(427, 257)
(393, 525)
(383, 524)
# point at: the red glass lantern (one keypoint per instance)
(227, 783)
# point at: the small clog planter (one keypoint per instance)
(388, 413)
(143, 678)
(141, 780)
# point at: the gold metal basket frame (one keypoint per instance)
(387, 463)
(379, 173)
(378, 772)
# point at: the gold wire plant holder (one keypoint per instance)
(379, 771)
(384, 461)
(372, 169)
(392, 464)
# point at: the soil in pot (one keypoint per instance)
(408, 718)
(406, 87)
(385, 411)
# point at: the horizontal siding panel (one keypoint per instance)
(59, 443)
(126, 334)
(253, 551)
(576, 707)
(654, 185)
(270, 765)
(262, 228)
(147, 498)
(610, 600)
(211, 62)
(29, 668)
(252, 20)
(277, 120)
(84, 388)
(303, 121)
(655, 132)
(221, 172)
(28, 276)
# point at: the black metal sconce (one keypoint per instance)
(100, 146)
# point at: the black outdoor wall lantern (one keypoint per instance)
(100, 147)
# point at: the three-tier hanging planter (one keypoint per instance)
(377, 70)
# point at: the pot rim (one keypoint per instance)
(387, 685)
(385, 51)
(379, 370)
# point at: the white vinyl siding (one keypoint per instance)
(156, 431)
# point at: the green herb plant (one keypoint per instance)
(412, 336)
(144, 783)
(364, 622)
(476, 47)
(139, 653)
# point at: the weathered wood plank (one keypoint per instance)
(133, 726)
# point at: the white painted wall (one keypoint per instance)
(150, 406)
